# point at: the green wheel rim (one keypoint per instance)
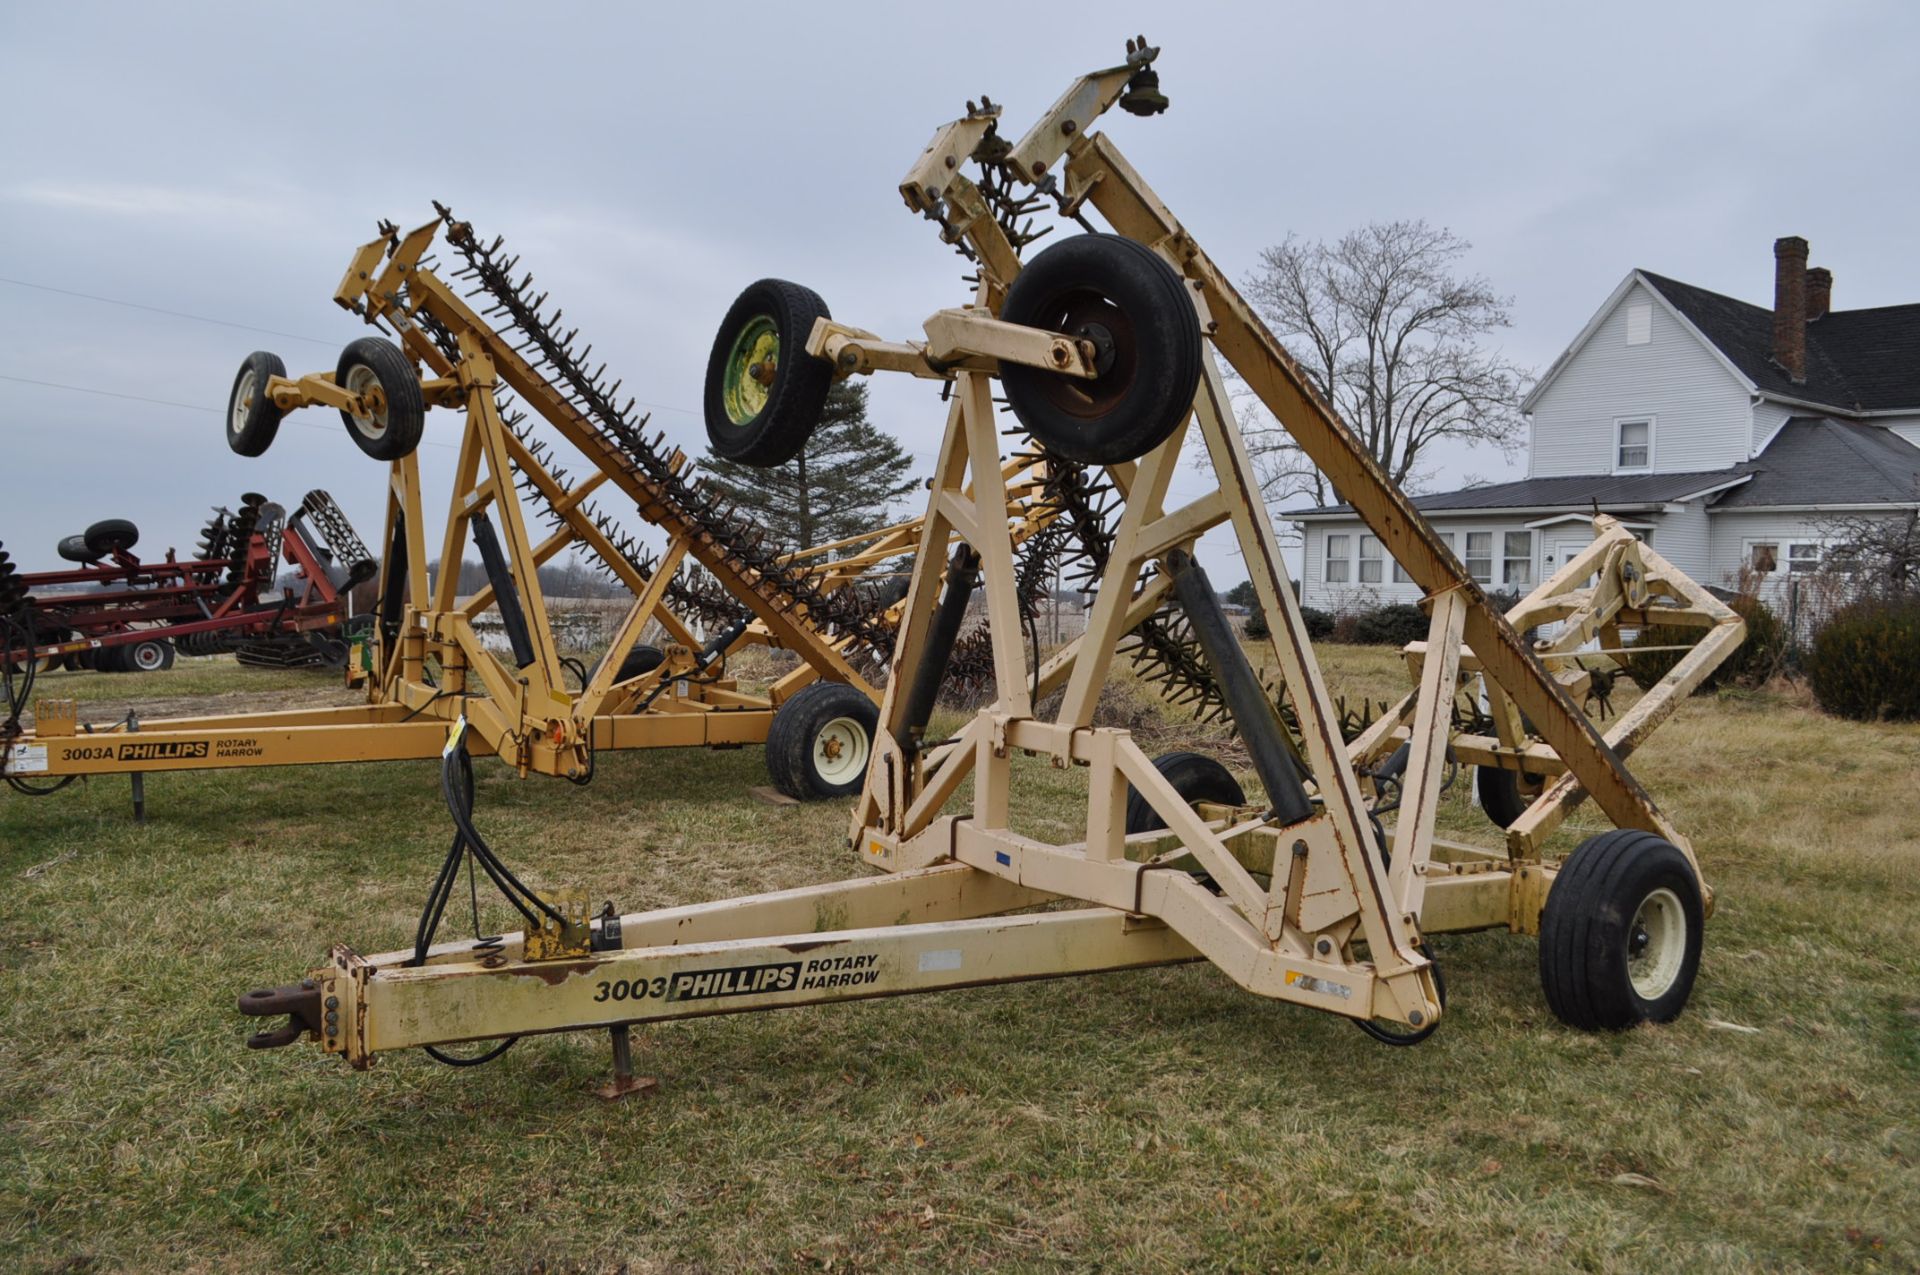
(758, 346)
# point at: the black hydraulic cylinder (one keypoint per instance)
(962, 573)
(393, 598)
(513, 618)
(1246, 699)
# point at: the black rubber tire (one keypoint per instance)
(406, 406)
(775, 433)
(111, 535)
(798, 725)
(641, 659)
(250, 430)
(1126, 289)
(1500, 794)
(149, 656)
(1195, 776)
(110, 659)
(74, 549)
(1586, 930)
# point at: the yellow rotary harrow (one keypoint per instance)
(1112, 349)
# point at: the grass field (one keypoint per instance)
(1159, 1120)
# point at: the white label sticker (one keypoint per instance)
(27, 759)
(940, 961)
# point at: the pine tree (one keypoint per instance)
(840, 484)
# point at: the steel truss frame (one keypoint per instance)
(1307, 912)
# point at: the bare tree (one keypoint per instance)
(1877, 555)
(1391, 335)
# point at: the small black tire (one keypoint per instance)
(252, 418)
(1620, 935)
(751, 418)
(821, 742)
(111, 535)
(1195, 776)
(74, 549)
(1124, 297)
(1501, 794)
(149, 656)
(395, 432)
(641, 659)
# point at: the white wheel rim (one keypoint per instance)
(146, 657)
(360, 379)
(840, 751)
(242, 400)
(1656, 944)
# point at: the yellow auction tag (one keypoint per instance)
(453, 736)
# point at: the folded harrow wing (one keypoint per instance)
(1109, 348)
(718, 585)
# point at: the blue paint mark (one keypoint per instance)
(1002, 858)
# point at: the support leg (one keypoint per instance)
(624, 1083)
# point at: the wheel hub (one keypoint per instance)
(1100, 338)
(1092, 319)
(752, 366)
(1656, 944)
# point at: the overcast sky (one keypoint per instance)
(648, 162)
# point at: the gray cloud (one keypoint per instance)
(648, 162)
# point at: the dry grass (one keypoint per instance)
(1159, 1120)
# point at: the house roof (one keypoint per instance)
(1810, 461)
(1611, 492)
(1814, 460)
(1857, 360)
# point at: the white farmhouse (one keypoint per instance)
(1725, 434)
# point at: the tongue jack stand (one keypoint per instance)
(624, 1083)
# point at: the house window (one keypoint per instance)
(1338, 566)
(1516, 564)
(1400, 575)
(1805, 557)
(1633, 445)
(1764, 557)
(1480, 556)
(1369, 560)
(1639, 324)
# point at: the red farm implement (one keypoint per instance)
(113, 612)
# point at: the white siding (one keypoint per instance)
(1733, 531)
(1908, 427)
(1702, 413)
(1684, 538)
(1768, 417)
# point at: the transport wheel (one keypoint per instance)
(641, 659)
(74, 549)
(110, 535)
(1505, 794)
(764, 391)
(1195, 776)
(149, 656)
(1620, 935)
(252, 418)
(1121, 296)
(393, 430)
(821, 742)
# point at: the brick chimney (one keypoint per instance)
(1819, 292)
(1790, 305)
